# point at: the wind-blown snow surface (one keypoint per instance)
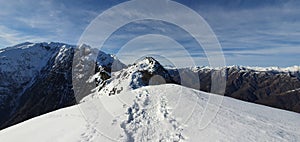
(164, 112)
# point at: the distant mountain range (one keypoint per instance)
(36, 78)
(279, 88)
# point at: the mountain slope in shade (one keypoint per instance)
(156, 114)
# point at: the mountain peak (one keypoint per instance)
(150, 59)
(148, 63)
(81, 46)
(147, 71)
(22, 44)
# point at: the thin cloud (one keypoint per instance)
(262, 30)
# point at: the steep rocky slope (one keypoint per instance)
(272, 87)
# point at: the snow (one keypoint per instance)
(258, 69)
(298, 89)
(28, 58)
(34, 57)
(61, 126)
(166, 112)
(278, 69)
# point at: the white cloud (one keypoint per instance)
(261, 36)
(167, 51)
(11, 37)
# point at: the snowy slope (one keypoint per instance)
(156, 113)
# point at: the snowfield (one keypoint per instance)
(158, 113)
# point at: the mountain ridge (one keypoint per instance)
(52, 80)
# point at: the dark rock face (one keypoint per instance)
(271, 88)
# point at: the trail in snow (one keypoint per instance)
(145, 118)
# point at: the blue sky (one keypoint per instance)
(251, 32)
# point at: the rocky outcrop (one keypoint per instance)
(145, 72)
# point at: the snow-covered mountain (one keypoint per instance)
(143, 73)
(139, 102)
(36, 78)
(20, 65)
